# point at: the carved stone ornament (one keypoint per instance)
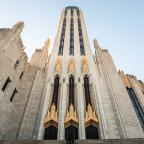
(90, 117)
(71, 117)
(84, 65)
(52, 117)
(71, 66)
(58, 65)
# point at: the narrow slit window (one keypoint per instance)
(6, 83)
(21, 75)
(16, 64)
(13, 94)
(71, 91)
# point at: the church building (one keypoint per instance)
(70, 95)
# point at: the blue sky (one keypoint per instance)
(117, 24)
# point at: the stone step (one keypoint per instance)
(114, 141)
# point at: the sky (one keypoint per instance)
(118, 25)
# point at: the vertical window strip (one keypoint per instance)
(55, 91)
(71, 91)
(71, 50)
(82, 50)
(87, 91)
(62, 36)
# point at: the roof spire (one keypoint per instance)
(47, 43)
(18, 27)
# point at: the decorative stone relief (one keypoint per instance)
(84, 65)
(71, 117)
(71, 66)
(52, 117)
(58, 65)
(90, 117)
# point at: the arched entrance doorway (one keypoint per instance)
(71, 134)
(92, 132)
(51, 133)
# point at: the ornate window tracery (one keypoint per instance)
(91, 120)
(51, 120)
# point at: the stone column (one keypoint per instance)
(81, 109)
(62, 108)
(62, 112)
(80, 99)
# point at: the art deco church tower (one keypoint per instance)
(71, 101)
(85, 97)
(71, 95)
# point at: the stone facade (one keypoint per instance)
(106, 141)
(137, 96)
(13, 62)
(28, 78)
(31, 100)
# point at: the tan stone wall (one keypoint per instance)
(120, 101)
(16, 116)
(11, 50)
(32, 114)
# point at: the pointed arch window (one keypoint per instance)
(51, 128)
(91, 123)
(87, 90)
(55, 90)
(71, 129)
(71, 90)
